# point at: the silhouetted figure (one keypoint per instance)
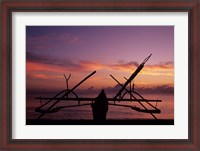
(100, 107)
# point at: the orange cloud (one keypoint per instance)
(43, 76)
(39, 76)
(35, 62)
(92, 65)
(166, 69)
(32, 66)
(163, 69)
(151, 74)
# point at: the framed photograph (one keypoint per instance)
(100, 75)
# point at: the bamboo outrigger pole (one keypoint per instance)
(139, 101)
(133, 76)
(67, 93)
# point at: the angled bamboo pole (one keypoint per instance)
(67, 93)
(133, 75)
(134, 97)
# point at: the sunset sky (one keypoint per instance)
(52, 51)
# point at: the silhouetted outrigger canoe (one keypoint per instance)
(101, 102)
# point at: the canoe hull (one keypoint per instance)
(100, 107)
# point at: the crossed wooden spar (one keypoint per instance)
(63, 95)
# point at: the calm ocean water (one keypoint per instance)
(114, 112)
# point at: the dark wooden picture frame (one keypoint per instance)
(9, 6)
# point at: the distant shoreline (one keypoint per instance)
(107, 122)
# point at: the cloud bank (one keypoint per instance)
(49, 63)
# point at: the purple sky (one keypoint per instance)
(94, 42)
(56, 50)
(52, 51)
